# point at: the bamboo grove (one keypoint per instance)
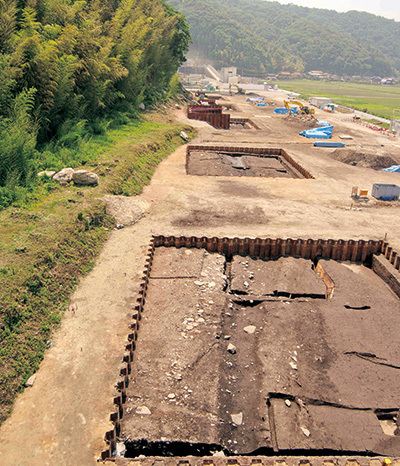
(67, 65)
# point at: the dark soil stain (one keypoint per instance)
(207, 217)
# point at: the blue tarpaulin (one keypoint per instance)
(261, 105)
(318, 133)
(328, 144)
(393, 168)
(284, 110)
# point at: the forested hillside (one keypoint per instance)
(261, 36)
(66, 65)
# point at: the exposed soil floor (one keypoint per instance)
(377, 159)
(249, 355)
(62, 419)
(213, 163)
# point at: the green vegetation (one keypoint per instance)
(381, 101)
(74, 76)
(262, 37)
(71, 69)
(378, 123)
(49, 241)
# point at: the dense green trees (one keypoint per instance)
(261, 36)
(68, 64)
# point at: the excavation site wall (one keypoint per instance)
(261, 346)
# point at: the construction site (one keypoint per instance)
(248, 312)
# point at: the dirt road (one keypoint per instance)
(62, 419)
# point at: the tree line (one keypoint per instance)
(67, 64)
(261, 36)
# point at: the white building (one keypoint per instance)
(319, 101)
(228, 72)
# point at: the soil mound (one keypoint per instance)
(301, 122)
(375, 159)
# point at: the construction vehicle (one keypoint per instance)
(239, 89)
(303, 110)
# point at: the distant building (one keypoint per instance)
(316, 74)
(228, 72)
(284, 75)
(319, 101)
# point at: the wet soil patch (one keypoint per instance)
(242, 355)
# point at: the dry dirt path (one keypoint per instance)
(62, 419)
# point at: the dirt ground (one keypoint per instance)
(252, 357)
(62, 419)
(214, 163)
(377, 159)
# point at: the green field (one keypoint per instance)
(381, 101)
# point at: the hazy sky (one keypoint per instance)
(387, 8)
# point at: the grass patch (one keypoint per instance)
(378, 123)
(381, 101)
(52, 238)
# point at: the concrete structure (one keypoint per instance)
(213, 73)
(228, 72)
(248, 87)
(319, 101)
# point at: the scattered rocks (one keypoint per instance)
(120, 449)
(293, 365)
(172, 396)
(79, 177)
(30, 381)
(143, 410)
(85, 178)
(64, 175)
(305, 431)
(49, 173)
(184, 136)
(231, 348)
(250, 329)
(237, 419)
(288, 403)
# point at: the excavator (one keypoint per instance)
(303, 110)
(239, 89)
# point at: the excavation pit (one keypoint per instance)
(245, 123)
(254, 162)
(247, 347)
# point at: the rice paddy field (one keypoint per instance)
(379, 100)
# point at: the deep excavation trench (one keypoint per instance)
(244, 356)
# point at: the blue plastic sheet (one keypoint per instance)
(261, 105)
(284, 110)
(318, 133)
(328, 144)
(393, 169)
